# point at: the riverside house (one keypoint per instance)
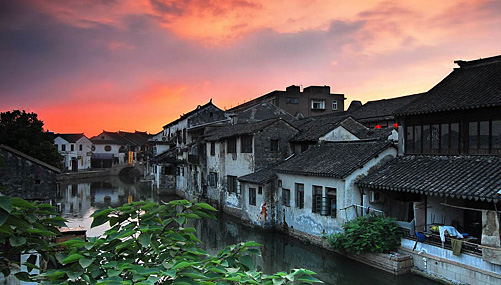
(448, 175)
(76, 150)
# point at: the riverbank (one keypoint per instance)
(70, 176)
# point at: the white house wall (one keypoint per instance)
(339, 134)
(303, 219)
(348, 194)
(252, 213)
(83, 155)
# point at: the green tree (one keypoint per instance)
(24, 132)
(147, 243)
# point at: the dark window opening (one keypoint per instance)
(107, 147)
(286, 197)
(232, 184)
(316, 199)
(299, 195)
(213, 148)
(231, 145)
(252, 196)
(246, 144)
(213, 179)
(330, 203)
(274, 145)
(260, 190)
(63, 147)
(72, 147)
(80, 147)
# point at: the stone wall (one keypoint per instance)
(25, 179)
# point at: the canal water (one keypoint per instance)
(280, 252)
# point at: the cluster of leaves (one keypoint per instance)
(24, 132)
(150, 243)
(368, 234)
(25, 228)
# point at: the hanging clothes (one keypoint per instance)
(456, 246)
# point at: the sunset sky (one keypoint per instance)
(85, 66)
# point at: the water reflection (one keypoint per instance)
(279, 251)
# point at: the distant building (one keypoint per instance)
(76, 150)
(312, 101)
(179, 161)
(115, 148)
(26, 177)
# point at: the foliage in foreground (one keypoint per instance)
(367, 234)
(147, 243)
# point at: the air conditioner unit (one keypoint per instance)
(375, 197)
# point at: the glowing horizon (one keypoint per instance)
(137, 65)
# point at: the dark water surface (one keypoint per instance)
(279, 251)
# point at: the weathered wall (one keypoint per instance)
(280, 131)
(254, 214)
(439, 262)
(348, 194)
(83, 155)
(25, 179)
(304, 219)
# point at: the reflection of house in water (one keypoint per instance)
(104, 193)
(75, 199)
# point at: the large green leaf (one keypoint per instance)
(72, 258)
(6, 203)
(17, 241)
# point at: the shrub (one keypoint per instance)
(367, 234)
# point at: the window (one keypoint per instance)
(252, 196)
(232, 184)
(316, 199)
(279, 183)
(80, 147)
(436, 138)
(63, 147)
(318, 104)
(231, 145)
(180, 171)
(184, 136)
(246, 144)
(167, 170)
(299, 195)
(260, 190)
(213, 179)
(57, 146)
(483, 135)
(212, 148)
(72, 147)
(274, 145)
(286, 197)
(496, 134)
(292, 100)
(330, 202)
(93, 148)
(107, 147)
(334, 105)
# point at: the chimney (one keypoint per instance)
(293, 89)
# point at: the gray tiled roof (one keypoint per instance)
(334, 159)
(467, 177)
(71, 138)
(382, 109)
(311, 129)
(259, 177)
(239, 129)
(476, 84)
